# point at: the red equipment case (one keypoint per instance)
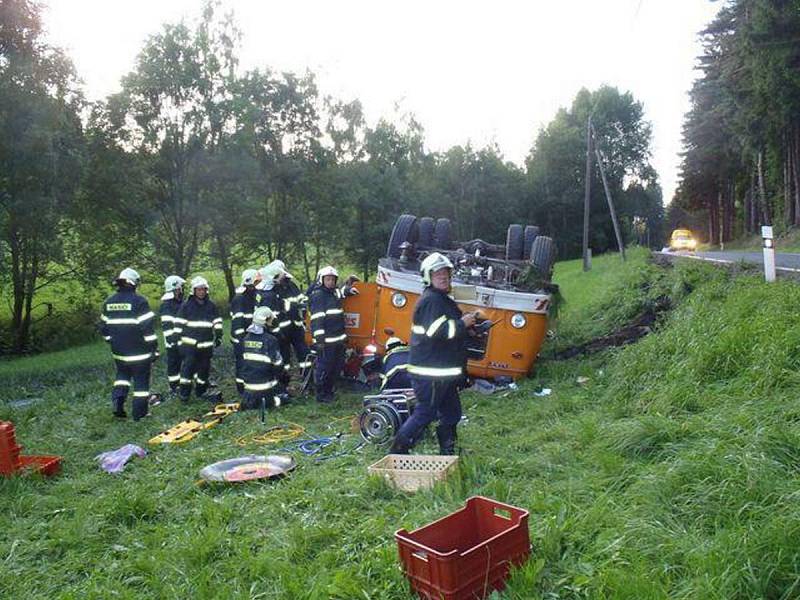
(467, 554)
(11, 462)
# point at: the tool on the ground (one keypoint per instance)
(273, 435)
(311, 446)
(343, 452)
(188, 429)
(384, 413)
(248, 468)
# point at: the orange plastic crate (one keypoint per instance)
(467, 554)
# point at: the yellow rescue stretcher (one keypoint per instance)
(188, 429)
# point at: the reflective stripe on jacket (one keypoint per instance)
(168, 311)
(327, 315)
(198, 324)
(438, 338)
(127, 324)
(394, 374)
(262, 361)
(242, 307)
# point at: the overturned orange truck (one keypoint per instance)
(509, 284)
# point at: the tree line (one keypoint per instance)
(196, 162)
(741, 164)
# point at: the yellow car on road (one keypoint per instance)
(682, 239)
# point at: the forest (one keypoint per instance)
(199, 164)
(741, 162)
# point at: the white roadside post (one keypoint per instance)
(769, 253)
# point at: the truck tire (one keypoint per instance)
(405, 230)
(426, 226)
(543, 256)
(514, 241)
(442, 234)
(531, 232)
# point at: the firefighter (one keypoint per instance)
(127, 325)
(262, 364)
(327, 327)
(437, 361)
(294, 307)
(241, 311)
(269, 295)
(394, 374)
(170, 305)
(200, 328)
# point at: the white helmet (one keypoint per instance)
(432, 263)
(393, 342)
(329, 270)
(272, 270)
(249, 276)
(282, 266)
(199, 282)
(262, 316)
(129, 276)
(173, 283)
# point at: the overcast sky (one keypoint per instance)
(470, 71)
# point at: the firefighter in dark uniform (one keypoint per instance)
(241, 311)
(262, 362)
(200, 328)
(170, 305)
(394, 372)
(269, 295)
(127, 325)
(294, 306)
(437, 362)
(327, 328)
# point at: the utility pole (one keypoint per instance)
(613, 212)
(587, 264)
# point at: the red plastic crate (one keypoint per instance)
(467, 554)
(46, 465)
(9, 451)
(11, 462)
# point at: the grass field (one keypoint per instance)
(671, 473)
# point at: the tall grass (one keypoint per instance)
(671, 473)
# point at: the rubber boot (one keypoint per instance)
(446, 434)
(400, 445)
(118, 404)
(141, 407)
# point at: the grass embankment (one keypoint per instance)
(672, 473)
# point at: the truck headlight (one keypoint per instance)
(399, 300)
(518, 321)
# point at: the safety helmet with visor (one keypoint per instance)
(262, 316)
(249, 277)
(432, 263)
(325, 271)
(199, 282)
(129, 276)
(173, 283)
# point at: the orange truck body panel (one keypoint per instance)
(509, 351)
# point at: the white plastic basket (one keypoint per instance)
(412, 472)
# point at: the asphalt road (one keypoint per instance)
(784, 261)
